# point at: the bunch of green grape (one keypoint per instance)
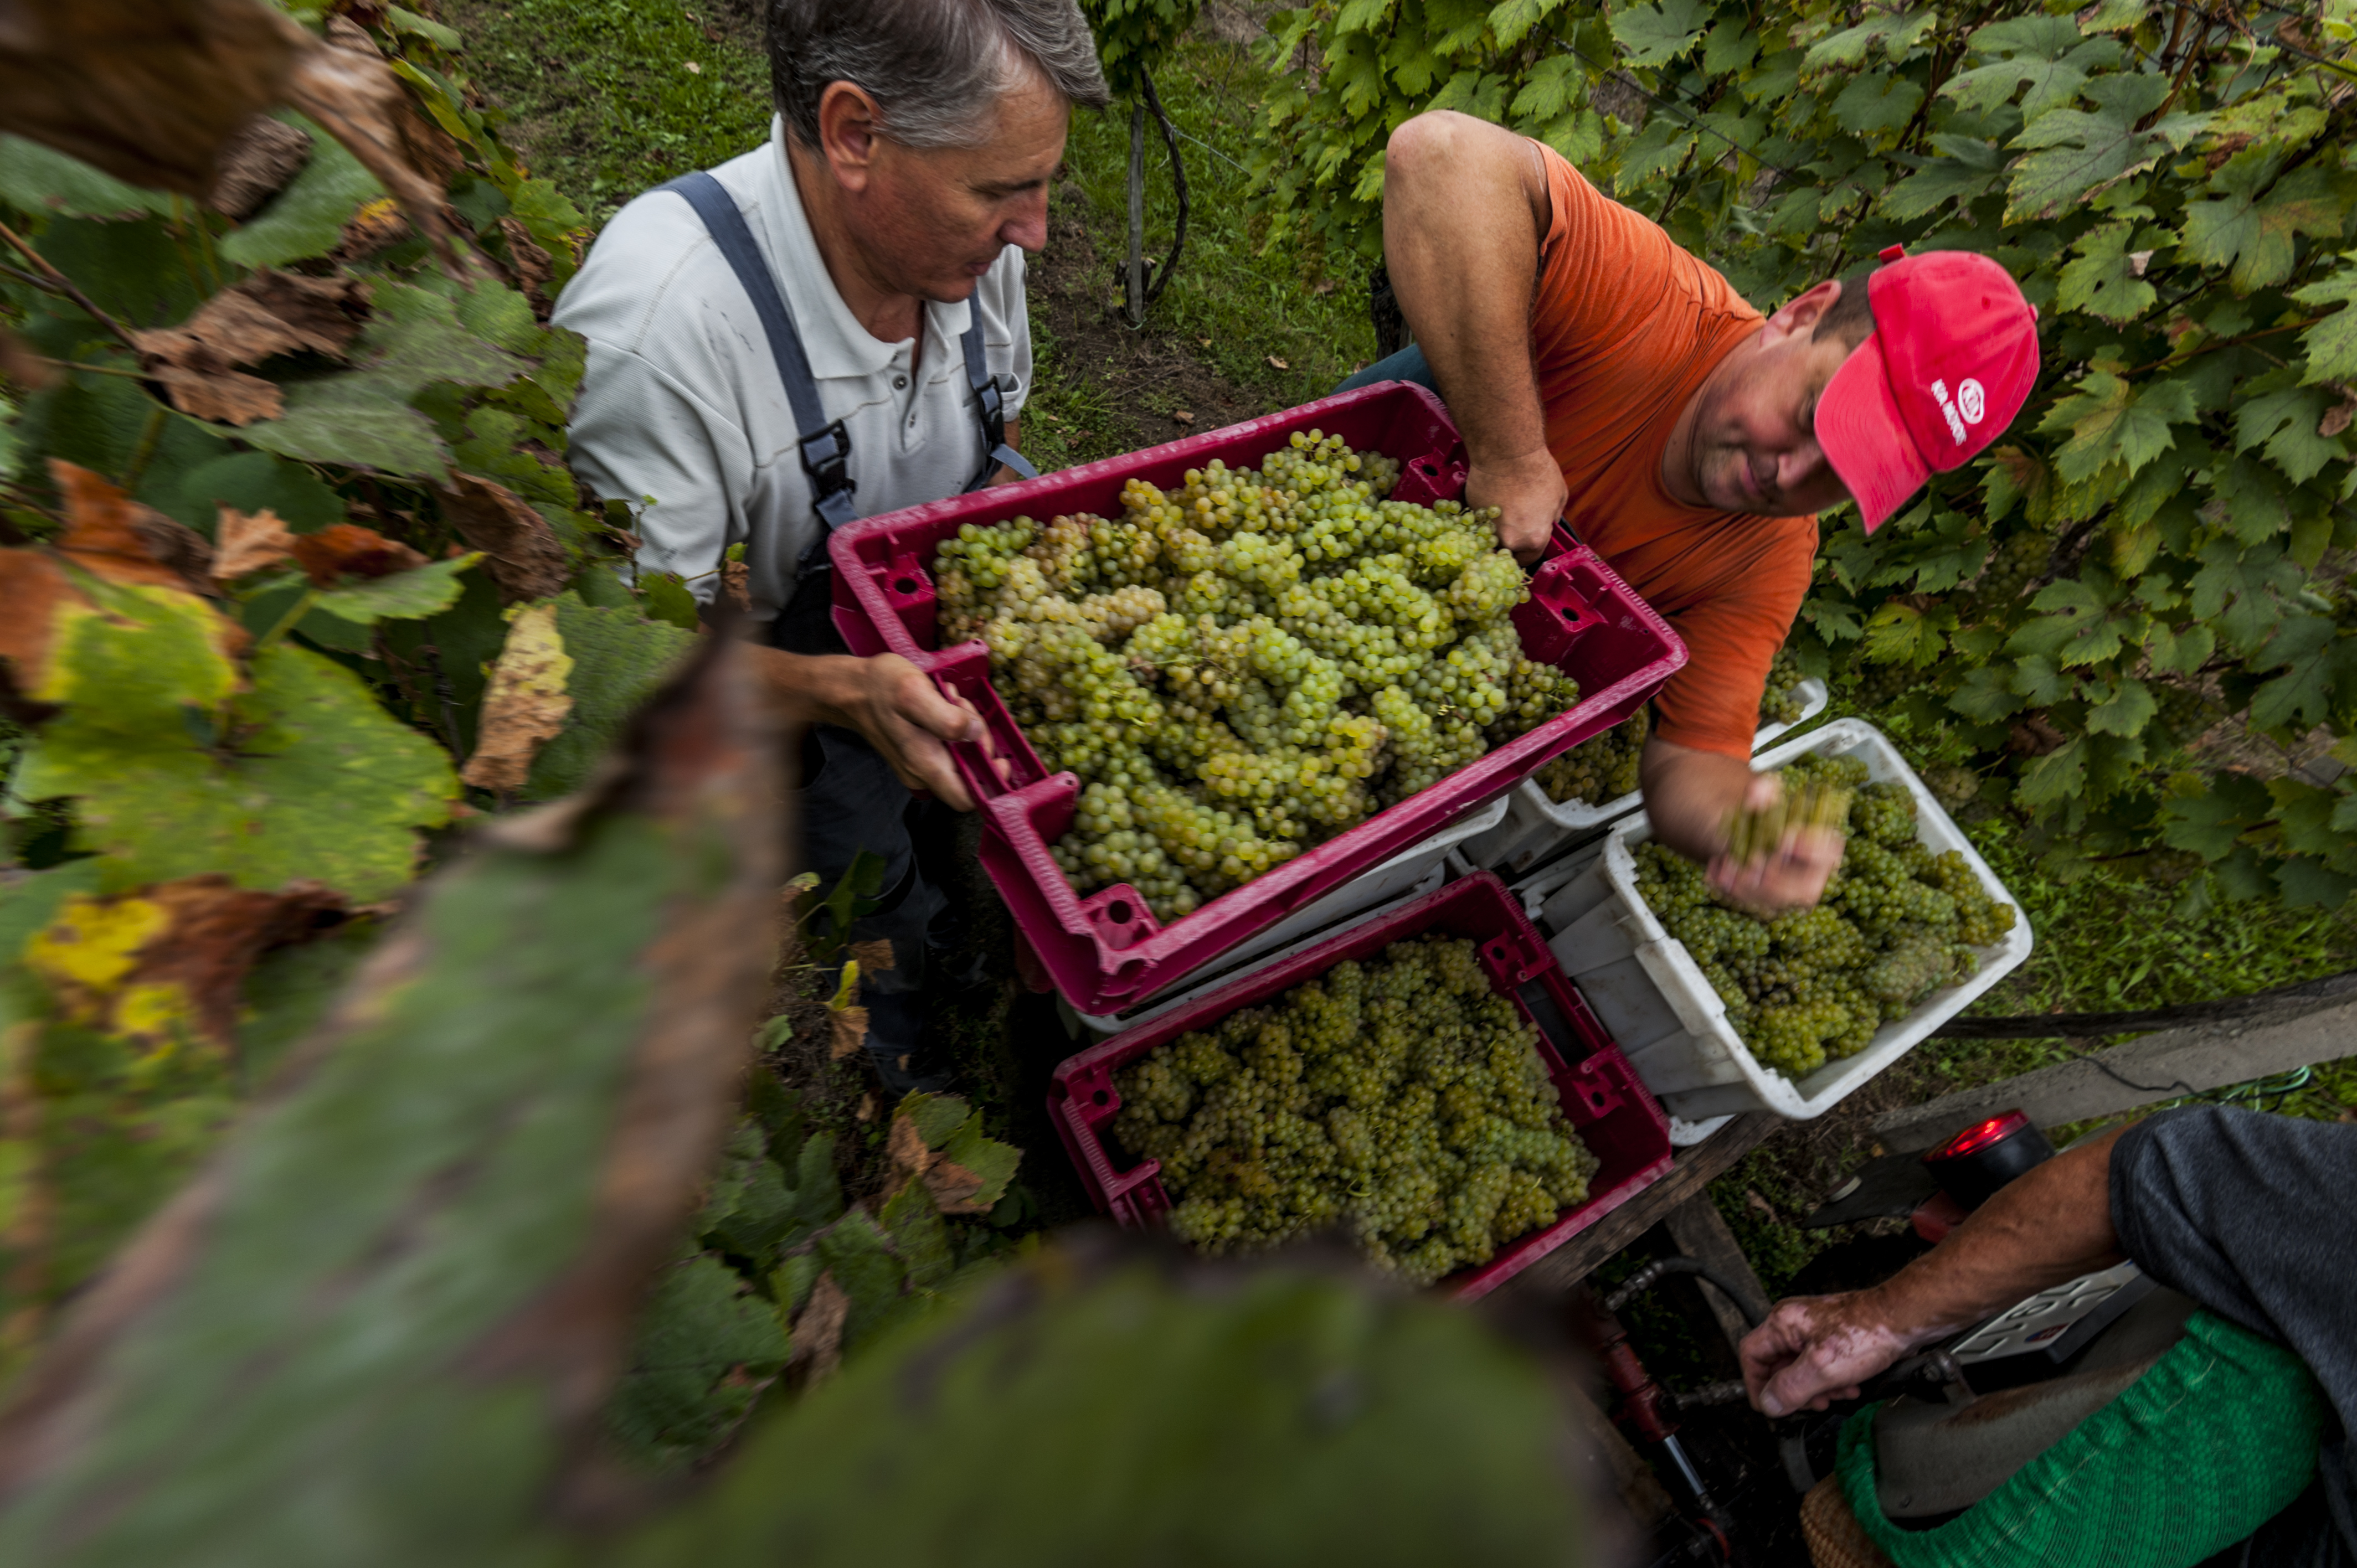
(1242, 667)
(1402, 1100)
(1780, 704)
(1896, 923)
(1602, 768)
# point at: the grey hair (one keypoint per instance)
(935, 67)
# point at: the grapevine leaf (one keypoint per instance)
(443, 1218)
(1656, 32)
(619, 659)
(2255, 499)
(919, 1236)
(2317, 663)
(2057, 777)
(2308, 884)
(2105, 281)
(2234, 592)
(526, 703)
(2126, 711)
(361, 417)
(405, 595)
(1966, 172)
(2331, 343)
(1985, 694)
(2111, 420)
(2079, 153)
(1512, 20)
(2252, 227)
(986, 1166)
(1877, 101)
(308, 780)
(41, 179)
(860, 1258)
(1554, 85)
(2040, 681)
(2044, 53)
(2113, 15)
(1729, 47)
(2077, 628)
(307, 217)
(1900, 634)
(128, 657)
(2183, 651)
(705, 1344)
(2287, 417)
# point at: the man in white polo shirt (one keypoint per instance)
(831, 327)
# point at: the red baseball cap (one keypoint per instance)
(1951, 361)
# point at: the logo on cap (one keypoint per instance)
(1948, 409)
(1971, 401)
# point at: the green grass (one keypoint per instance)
(614, 96)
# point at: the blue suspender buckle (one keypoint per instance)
(826, 458)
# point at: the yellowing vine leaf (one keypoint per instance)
(525, 705)
(303, 777)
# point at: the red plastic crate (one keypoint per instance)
(1619, 1122)
(1106, 952)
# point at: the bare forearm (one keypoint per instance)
(1691, 795)
(808, 689)
(1460, 242)
(2051, 1225)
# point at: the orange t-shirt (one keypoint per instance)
(1625, 328)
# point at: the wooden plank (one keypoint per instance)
(2166, 1066)
(1700, 1231)
(1695, 1168)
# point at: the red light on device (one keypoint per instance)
(1971, 1166)
(1996, 1129)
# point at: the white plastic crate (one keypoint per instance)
(1418, 869)
(1535, 827)
(1652, 997)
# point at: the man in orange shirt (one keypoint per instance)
(1601, 375)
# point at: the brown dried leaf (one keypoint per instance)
(522, 553)
(345, 85)
(20, 364)
(2338, 417)
(736, 586)
(376, 225)
(247, 542)
(532, 264)
(905, 1147)
(220, 397)
(256, 164)
(114, 537)
(34, 587)
(269, 313)
(849, 1027)
(954, 1187)
(525, 705)
(873, 956)
(347, 550)
(815, 1341)
(147, 89)
(866, 1111)
(204, 934)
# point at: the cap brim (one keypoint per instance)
(1861, 435)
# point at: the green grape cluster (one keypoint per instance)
(1602, 768)
(1780, 704)
(1242, 667)
(2011, 568)
(1896, 923)
(1402, 1100)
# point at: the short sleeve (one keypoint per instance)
(2248, 1213)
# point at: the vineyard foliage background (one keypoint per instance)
(298, 584)
(2129, 621)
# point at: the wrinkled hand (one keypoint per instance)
(1814, 1349)
(911, 724)
(1792, 875)
(1529, 492)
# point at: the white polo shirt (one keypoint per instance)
(680, 399)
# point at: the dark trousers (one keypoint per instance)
(1408, 365)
